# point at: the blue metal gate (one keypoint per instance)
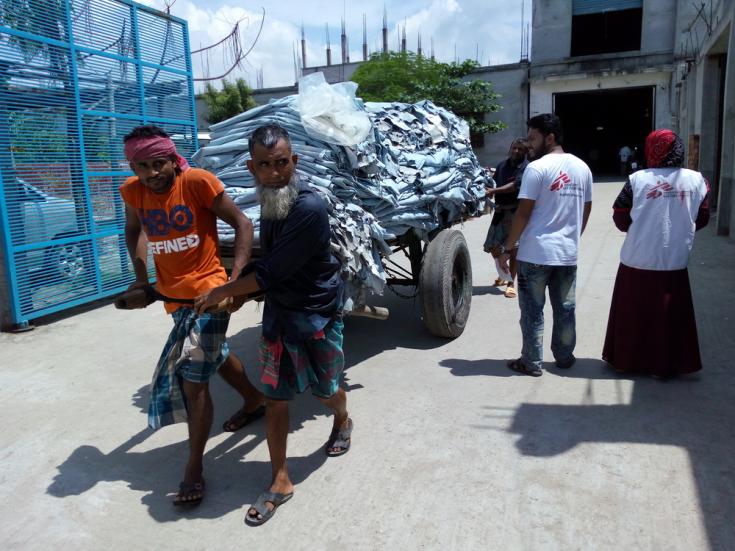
(75, 77)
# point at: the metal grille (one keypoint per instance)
(75, 77)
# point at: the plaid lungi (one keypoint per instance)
(288, 368)
(195, 349)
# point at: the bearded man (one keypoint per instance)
(301, 344)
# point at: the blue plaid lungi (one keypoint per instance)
(194, 351)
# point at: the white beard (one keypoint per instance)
(275, 203)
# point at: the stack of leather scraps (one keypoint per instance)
(415, 172)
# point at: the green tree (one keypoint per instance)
(408, 78)
(233, 99)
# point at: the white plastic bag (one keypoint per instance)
(330, 112)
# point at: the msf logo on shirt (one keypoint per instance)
(658, 190)
(560, 181)
(159, 223)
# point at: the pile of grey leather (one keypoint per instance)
(415, 171)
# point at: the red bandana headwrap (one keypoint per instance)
(151, 147)
(664, 149)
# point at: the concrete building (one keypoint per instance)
(607, 69)
(614, 70)
(706, 100)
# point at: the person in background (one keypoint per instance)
(508, 178)
(625, 155)
(651, 328)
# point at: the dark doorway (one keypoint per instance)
(598, 123)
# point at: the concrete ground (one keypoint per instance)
(451, 449)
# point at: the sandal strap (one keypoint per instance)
(339, 437)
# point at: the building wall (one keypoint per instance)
(701, 73)
(659, 26)
(552, 30)
(543, 90)
(335, 73)
(511, 82)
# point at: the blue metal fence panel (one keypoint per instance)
(75, 77)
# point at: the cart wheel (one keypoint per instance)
(445, 285)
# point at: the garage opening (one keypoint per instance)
(597, 124)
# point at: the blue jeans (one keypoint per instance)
(533, 279)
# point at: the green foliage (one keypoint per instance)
(409, 78)
(233, 99)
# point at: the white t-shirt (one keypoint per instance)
(665, 206)
(561, 184)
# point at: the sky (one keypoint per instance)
(487, 30)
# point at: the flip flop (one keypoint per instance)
(339, 438)
(261, 507)
(510, 292)
(520, 367)
(242, 418)
(186, 490)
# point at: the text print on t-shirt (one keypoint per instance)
(563, 182)
(159, 223)
(665, 189)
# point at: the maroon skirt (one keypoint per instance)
(651, 328)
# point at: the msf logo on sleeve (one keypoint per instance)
(159, 223)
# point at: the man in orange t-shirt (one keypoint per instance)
(171, 212)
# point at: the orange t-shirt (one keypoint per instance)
(182, 233)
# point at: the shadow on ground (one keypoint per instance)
(233, 482)
(479, 290)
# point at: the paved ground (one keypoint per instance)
(451, 449)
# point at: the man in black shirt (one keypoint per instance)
(508, 178)
(301, 345)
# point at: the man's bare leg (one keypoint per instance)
(276, 418)
(338, 404)
(233, 372)
(199, 409)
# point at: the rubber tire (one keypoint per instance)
(66, 263)
(445, 284)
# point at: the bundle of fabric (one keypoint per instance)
(415, 171)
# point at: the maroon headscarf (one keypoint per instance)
(664, 149)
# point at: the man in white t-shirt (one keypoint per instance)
(555, 203)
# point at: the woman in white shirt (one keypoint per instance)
(651, 328)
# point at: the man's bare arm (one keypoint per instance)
(520, 221)
(226, 209)
(136, 243)
(507, 188)
(240, 287)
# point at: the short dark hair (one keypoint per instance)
(547, 123)
(145, 131)
(268, 136)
